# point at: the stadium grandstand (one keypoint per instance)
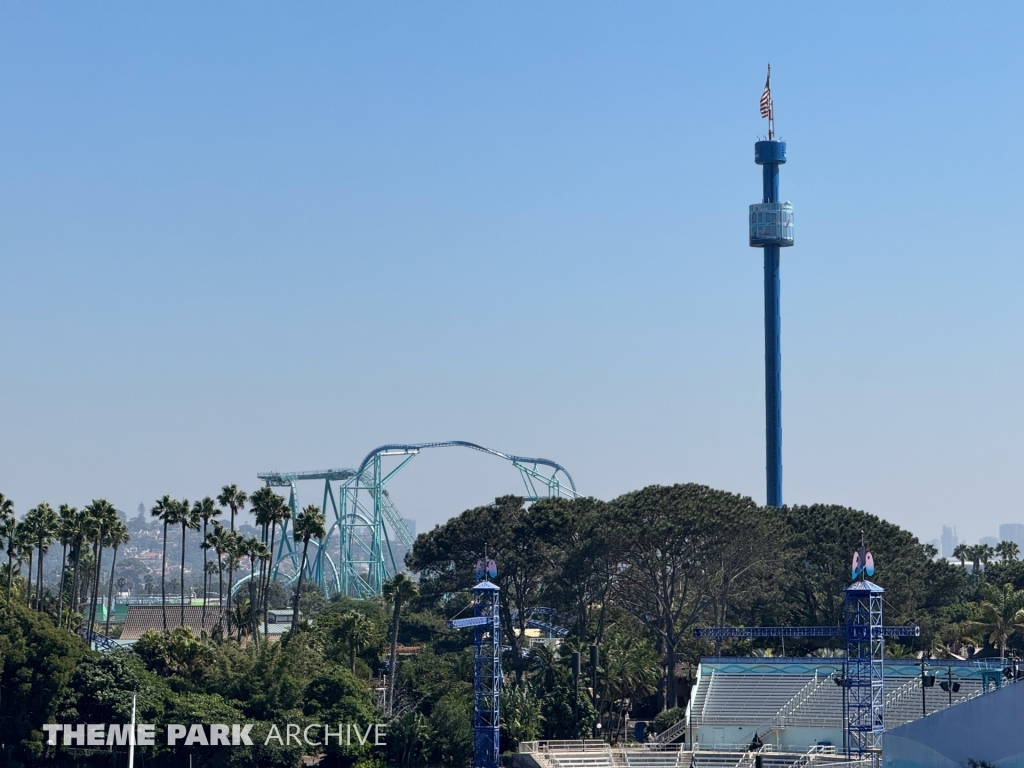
(774, 713)
(796, 704)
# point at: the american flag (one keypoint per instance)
(766, 97)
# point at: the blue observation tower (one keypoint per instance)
(487, 678)
(771, 228)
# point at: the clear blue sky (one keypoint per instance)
(247, 236)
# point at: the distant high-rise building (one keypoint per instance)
(949, 541)
(411, 525)
(990, 540)
(1012, 532)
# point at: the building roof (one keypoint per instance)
(145, 618)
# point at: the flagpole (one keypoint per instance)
(771, 107)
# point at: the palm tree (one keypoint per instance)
(9, 533)
(26, 546)
(1002, 614)
(359, 631)
(232, 498)
(962, 553)
(271, 510)
(206, 510)
(105, 517)
(233, 546)
(164, 510)
(189, 519)
(1007, 550)
(254, 549)
(397, 590)
(985, 553)
(44, 527)
(117, 536)
(80, 526)
(217, 540)
(66, 536)
(308, 525)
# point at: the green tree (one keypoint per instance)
(271, 511)
(66, 535)
(103, 518)
(9, 534)
(445, 559)
(232, 498)
(308, 525)
(255, 550)
(116, 537)
(1002, 614)
(397, 590)
(217, 540)
(188, 518)
(520, 715)
(165, 510)
(667, 534)
(205, 510)
(961, 553)
(580, 551)
(1007, 551)
(80, 526)
(451, 728)
(38, 662)
(42, 522)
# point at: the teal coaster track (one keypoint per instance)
(356, 557)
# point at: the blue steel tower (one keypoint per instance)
(771, 228)
(487, 677)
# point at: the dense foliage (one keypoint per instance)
(632, 577)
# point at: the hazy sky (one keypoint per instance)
(237, 237)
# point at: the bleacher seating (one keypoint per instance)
(752, 699)
(652, 759)
(581, 759)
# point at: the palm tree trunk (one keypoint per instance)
(393, 665)
(270, 575)
(252, 602)
(231, 570)
(182, 623)
(10, 574)
(60, 588)
(110, 593)
(28, 587)
(220, 588)
(231, 586)
(39, 581)
(163, 579)
(202, 621)
(298, 587)
(72, 598)
(96, 588)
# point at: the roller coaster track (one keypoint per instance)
(356, 555)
